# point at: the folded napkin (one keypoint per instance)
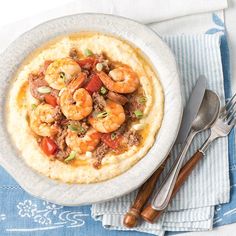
(193, 207)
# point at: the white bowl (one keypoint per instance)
(163, 61)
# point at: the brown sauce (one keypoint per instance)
(21, 97)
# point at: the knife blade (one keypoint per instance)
(160, 199)
(191, 108)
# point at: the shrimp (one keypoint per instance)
(121, 80)
(60, 72)
(77, 82)
(77, 105)
(42, 119)
(110, 119)
(83, 144)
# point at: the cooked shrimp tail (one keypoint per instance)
(121, 80)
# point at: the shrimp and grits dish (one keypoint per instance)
(84, 108)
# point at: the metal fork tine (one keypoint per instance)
(223, 112)
(228, 107)
(229, 101)
(226, 121)
(231, 117)
(231, 108)
(223, 109)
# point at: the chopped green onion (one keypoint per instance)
(113, 136)
(81, 130)
(99, 66)
(103, 90)
(33, 106)
(102, 114)
(44, 89)
(73, 128)
(138, 114)
(142, 100)
(76, 128)
(62, 75)
(88, 52)
(71, 156)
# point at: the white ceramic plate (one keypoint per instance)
(163, 61)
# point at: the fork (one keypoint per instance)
(223, 125)
(221, 128)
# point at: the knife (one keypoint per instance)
(145, 191)
(191, 108)
(162, 196)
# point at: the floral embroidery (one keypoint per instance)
(42, 219)
(52, 207)
(27, 209)
(49, 216)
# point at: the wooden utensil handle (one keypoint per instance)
(145, 191)
(149, 214)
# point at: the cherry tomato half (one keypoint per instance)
(48, 146)
(112, 143)
(94, 84)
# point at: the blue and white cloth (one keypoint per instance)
(22, 214)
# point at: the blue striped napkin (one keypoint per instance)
(193, 207)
